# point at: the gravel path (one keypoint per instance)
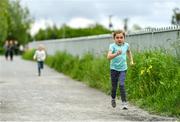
(55, 97)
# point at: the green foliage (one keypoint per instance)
(50, 61)
(28, 54)
(150, 73)
(3, 20)
(153, 83)
(1, 51)
(15, 22)
(176, 16)
(18, 22)
(68, 32)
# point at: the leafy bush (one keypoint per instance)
(28, 54)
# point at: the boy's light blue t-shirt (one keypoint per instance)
(119, 63)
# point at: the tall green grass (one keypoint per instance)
(153, 83)
(28, 54)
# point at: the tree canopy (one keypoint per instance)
(68, 32)
(15, 21)
(176, 16)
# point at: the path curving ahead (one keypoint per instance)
(55, 97)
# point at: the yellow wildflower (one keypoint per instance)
(142, 72)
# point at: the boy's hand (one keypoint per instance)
(118, 52)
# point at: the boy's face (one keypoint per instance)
(40, 48)
(119, 38)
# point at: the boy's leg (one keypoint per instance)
(39, 68)
(122, 88)
(42, 64)
(114, 82)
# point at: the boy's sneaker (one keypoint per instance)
(113, 103)
(124, 105)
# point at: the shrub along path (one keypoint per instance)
(24, 96)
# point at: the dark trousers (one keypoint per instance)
(9, 53)
(6, 54)
(115, 77)
(40, 66)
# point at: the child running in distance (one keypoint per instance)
(40, 56)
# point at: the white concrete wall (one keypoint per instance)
(139, 41)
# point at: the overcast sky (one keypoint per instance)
(80, 13)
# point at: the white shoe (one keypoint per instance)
(124, 105)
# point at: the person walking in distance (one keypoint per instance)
(40, 56)
(6, 49)
(118, 65)
(11, 49)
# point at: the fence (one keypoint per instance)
(139, 41)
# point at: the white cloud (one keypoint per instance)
(81, 13)
(40, 24)
(80, 22)
(74, 23)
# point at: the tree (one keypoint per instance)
(3, 20)
(19, 22)
(176, 17)
(15, 21)
(67, 32)
(136, 27)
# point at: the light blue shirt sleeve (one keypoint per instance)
(111, 48)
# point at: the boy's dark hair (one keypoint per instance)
(118, 32)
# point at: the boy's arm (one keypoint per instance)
(111, 55)
(44, 56)
(34, 57)
(130, 56)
